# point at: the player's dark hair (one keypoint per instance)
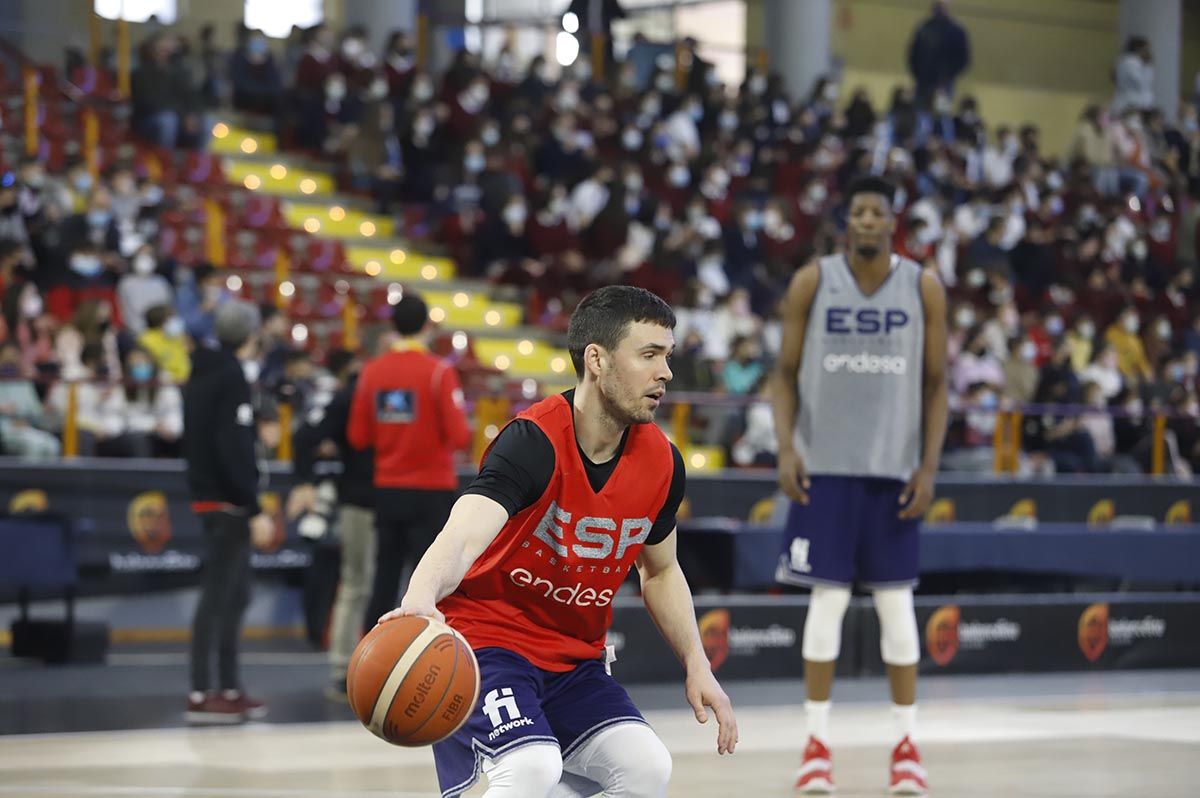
(871, 185)
(410, 314)
(604, 316)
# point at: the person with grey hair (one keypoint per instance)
(222, 471)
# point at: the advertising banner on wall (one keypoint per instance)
(744, 638)
(1049, 633)
(134, 524)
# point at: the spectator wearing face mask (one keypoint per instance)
(257, 84)
(504, 244)
(141, 289)
(1157, 339)
(23, 423)
(154, 409)
(1081, 339)
(744, 370)
(165, 339)
(1103, 372)
(199, 294)
(1020, 378)
(1122, 335)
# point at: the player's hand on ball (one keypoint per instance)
(703, 691)
(917, 495)
(793, 477)
(424, 608)
(262, 530)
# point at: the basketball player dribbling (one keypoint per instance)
(573, 493)
(860, 411)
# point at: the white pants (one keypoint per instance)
(623, 761)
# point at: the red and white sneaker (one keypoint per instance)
(213, 708)
(815, 776)
(908, 774)
(252, 708)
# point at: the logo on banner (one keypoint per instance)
(1099, 630)
(941, 634)
(1025, 508)
(29, 501)
(714, 635)
(1102, 513)
(270, 504)
(1093, 631)
(721, 638)
(941, 511)
(1180, 512)
(946, 633)
(149, 521)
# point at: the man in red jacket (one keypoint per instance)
(409, 406)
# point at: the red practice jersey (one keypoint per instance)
(409, 405)
(544, 587)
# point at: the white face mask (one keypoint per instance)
(251, 369)
(173, 327)
(1087, 329)
(144, 264)
(1131, 324)
(514, 215)
(1028, 351)
(31, 305)
(964, 318)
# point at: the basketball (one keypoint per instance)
(413, 681)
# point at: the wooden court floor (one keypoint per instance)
(1098, 743)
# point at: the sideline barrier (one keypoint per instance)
(761, 637)
(133, 517)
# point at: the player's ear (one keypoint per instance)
(595, 358)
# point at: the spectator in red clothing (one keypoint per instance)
(408, 405)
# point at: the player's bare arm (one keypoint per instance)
(918, 493)
(669, 601)
(473, 524)
(785, 390)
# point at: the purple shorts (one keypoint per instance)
(850, 531)
(520, 704)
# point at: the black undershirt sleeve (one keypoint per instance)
(517, 469)
(665, 522)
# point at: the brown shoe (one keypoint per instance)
(251, 708)
(214, 709)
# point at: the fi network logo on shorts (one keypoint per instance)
(499, 704)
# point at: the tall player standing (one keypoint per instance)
(860, 411)
(576, 491)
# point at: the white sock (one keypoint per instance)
(816, 713)
(905, 719)
(196, 696)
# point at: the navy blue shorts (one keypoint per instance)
(850, 531)
(520, 704)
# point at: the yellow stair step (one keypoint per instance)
(277, 178)
(336, 220)
(397, 263)
(233, 140)
(464, 309)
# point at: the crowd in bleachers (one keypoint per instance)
(1071, 279)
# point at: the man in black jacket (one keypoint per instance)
(219, 442)
(324, 436)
